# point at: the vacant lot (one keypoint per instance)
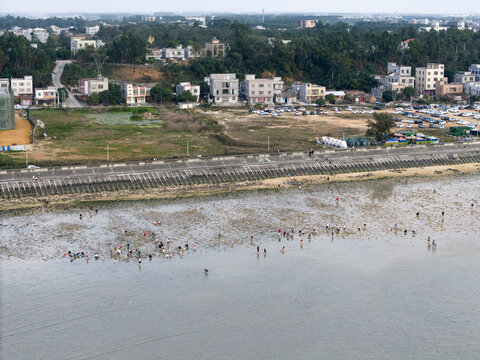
(82, 136)
(19, 136)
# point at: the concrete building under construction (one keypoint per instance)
(7, 116)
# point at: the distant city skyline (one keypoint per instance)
(428, 7)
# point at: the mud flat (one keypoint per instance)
(373, 293)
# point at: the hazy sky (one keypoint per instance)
(249, 6)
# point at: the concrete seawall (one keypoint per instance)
(228, 169)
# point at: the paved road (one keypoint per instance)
(56, 76)
(223, 162)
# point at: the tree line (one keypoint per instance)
(338, 56)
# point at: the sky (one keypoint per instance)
(244, 6)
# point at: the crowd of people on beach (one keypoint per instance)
(164, 247)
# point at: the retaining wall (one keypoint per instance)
(228, 169)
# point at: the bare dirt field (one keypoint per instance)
(148, 73)
(19, 136)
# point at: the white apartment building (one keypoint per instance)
(463, 77)
(134, 94)
(173, 53)
(261, 90)
(472, 88)
(304, 24)
(190, 53)
(77, 44)
(155, 54)
(89, 86)
(22, 32)
(55, 29)
(223, 89)
(398, 77)
(426, 78)
(22, 86)
(475, 70)
(40, 34)
(310, 93)
(187, 86)
(46, 96)
(399, 70)
(92, 30)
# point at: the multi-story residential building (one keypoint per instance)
(89, 86)
(399, 70)
(187, 86)
(286, 97)
(475, 70)
(304, 24)
(77, 44)
(214, 48)
(397, 79)
(55, 29)
(23, 89)
(134, 94)
(223, 89)
(46, 96)
(261, 90)
(463, 77)
(472, 88)
(190, 53)
(310, 93)
(426, 78)
(443, 88)
(156, 54)
(177, 53)
(92, 30)
(22, 32)
(40, 34)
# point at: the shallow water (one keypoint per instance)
(368, 294)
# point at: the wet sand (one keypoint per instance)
(373, 293)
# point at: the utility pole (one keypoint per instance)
(26, 155)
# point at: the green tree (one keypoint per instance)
(161, 93)
(409, 92)
(62, 95)
(381, 126)
(330, 98)
(321, 101)
(112, 96)
(94, 99)
(186, 96)
(387, 95)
